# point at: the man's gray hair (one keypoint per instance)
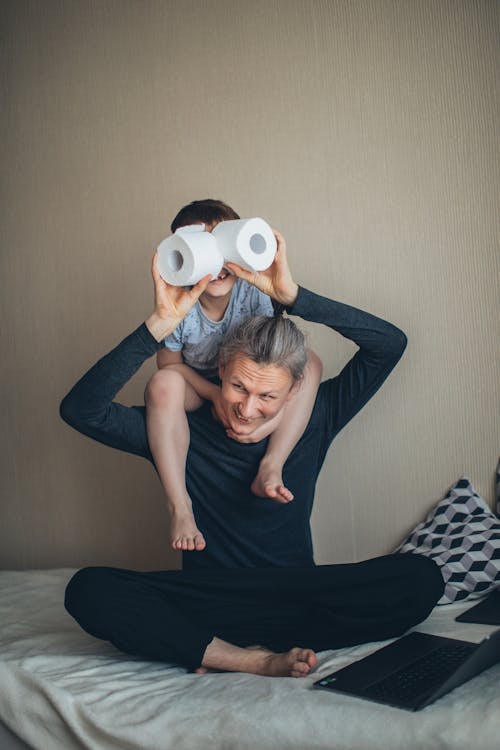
(267, 341)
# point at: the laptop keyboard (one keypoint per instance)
(421, 675)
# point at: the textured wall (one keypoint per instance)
(363, 129)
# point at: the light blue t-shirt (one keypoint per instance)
(200, 338)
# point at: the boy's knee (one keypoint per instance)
(165, 386)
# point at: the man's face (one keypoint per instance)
(253, 394)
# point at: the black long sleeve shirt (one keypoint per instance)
(240, 529)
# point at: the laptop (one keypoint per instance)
(414, 670)
(487, 612)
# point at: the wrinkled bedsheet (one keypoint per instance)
(62, 689)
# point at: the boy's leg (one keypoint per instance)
(269, 482)
(168, 397)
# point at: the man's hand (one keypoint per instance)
(276, 281)
(172, 303)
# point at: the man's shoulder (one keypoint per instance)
(322, 401)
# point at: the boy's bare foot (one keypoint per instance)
(184, 533)
(269, 483)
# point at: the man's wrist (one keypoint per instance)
(286, 300)
(290, 297)
(160, 328)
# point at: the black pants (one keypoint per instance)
(173, 615)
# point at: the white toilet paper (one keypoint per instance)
(188, 255)
(248, 242)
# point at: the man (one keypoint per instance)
(255, 582)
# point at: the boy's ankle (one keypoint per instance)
(271, 462)
(180, 508)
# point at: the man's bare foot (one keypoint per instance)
(207, 670)
(220, 655)
(269, 483)
(184, 533)
(297, 662)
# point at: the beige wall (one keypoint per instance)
(363, 129)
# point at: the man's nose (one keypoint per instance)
(247, 406)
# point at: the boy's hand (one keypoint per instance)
(276, 281)
(172, 303)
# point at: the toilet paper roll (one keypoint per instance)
(248, 242)
(188, 255)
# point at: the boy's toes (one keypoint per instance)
(285, 495)
(278, 493)
(199, 542)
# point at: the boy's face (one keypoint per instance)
(222, 285)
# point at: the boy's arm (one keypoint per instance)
(203, 387)
(165, 357)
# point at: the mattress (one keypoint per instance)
(62, 689)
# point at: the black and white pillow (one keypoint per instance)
(497, 488)
(462, 535)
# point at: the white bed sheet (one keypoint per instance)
(62, 689)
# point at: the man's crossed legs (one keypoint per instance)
(213, 619)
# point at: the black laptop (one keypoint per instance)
(415, 670)
(487, 612)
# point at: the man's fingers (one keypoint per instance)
(255, 278)
(279, 238)
(154, 266)
(158, 279)
(240, 272)
(200, 287)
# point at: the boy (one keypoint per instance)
(187, 375)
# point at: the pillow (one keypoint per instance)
(462, 535)
(497, 488)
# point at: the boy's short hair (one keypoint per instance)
(207, 211)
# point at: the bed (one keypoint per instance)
(62, 689)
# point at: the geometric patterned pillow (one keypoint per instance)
(462, 535)
(497, 488)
